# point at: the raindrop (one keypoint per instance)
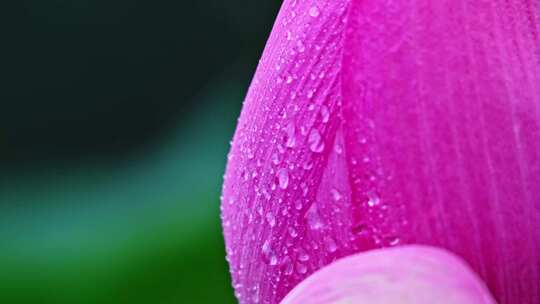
(325, 114)
(292, 232)
(288, 266)
(273, 260)
(315, 143)
(283, 178)
(313, 218)
(303, 256)
(307, 165)
(298, 205)
(289, 79)
(266, 247)
(314, 12)
(393, 240)
(373, 199)
(300, 46)
(336, 195)
(275, 159)
(301, 268)
(330, 244)
(360, 229)
(271, 219)
(291, 139)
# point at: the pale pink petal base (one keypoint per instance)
(406, 275)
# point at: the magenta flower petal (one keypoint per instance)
(405, 274)
(377, 123)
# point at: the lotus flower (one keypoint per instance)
(373, 124)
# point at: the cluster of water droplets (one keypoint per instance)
(277, 199)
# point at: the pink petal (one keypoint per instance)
(406, 274)
(408, 122)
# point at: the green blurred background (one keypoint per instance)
(115, 122)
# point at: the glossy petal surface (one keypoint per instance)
(378, 123)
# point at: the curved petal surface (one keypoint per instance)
(377, 123)
(404, 274)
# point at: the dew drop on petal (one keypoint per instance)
(392, 241)
(330, 244)
(287, 266)
(307, 165)
(303, 256)
(275, 159)
(283, 178)
(273, 260)
(373, 199)
(289, 79)
(300, 46)
(301, 268)
(336, 195)
(313, 218)
(291, 139)
(271, 219)
(292, 232)
(314, 12)
(315, 142)
(325, 114)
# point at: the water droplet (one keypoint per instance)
(303, 256)
(298, 205)
(325, 114)
(291, 139)
(275, 159)
(307, 165)
(271, 219)
(373, 199)
(392, 240)
(331, 245)
(288, 266)
(292, 232)
(314, 12)
(315, 143)
(300, 46)
(310, 93)
(313, 218)
(360, 229)
(283, 178)
(289, 79)
(336, 195)
(273, 260)
(266, 247)
(301, 268)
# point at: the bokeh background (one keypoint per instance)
(115, 122)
